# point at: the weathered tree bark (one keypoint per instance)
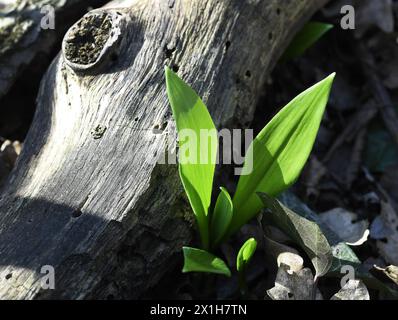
(22, 39)
(87, 196)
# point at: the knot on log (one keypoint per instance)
(91, 40)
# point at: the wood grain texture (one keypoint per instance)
(87, 196)
(22, 40)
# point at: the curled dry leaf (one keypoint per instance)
(10, 151)
(372, 13)
(390, 271)
(346, 225)
(384, 229)
(353, 290)
(283, 255)
(292, 260)
(294, 286)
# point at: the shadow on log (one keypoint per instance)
(87, 195)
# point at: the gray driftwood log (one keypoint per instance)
(87, 196)
(22, 39)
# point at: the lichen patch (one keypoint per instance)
(11, 32)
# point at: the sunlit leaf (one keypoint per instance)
(222, 216)
(197, 260)
(277, 155)
(245, 254)
(305, 39)
(198, 137)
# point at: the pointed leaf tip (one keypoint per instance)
(279, 152)
(198, 151)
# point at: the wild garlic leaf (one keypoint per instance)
(198, 147)
(306, 233)
(197, 260)
(277, 155)
(305, 39)
(221, 217)
(245, 254)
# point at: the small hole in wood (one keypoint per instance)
(8, 276)
(270, 36)
(136, 119)
(278, 11)
(77, 213)
(227, 45)
(248, 74)
(168, 51)
(175, 68)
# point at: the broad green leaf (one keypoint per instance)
(277, 155)
(306, 233)
(197, 260)
(245, 254)
(306, 37)
(198, 148)
(221, 218)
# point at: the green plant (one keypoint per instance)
(305, 38)
(277, 156)
(203, 261)
(243, 258)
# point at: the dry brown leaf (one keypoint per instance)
(353, 290)
(346, 225)
(296, 286)
(384, 229)
(370, 13)
(390, 271)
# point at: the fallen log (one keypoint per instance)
(87, 196)
(23, 38)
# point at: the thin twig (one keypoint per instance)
(359, 121)
(387, 111)
(356, 158)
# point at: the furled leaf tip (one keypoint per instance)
(245, 254)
